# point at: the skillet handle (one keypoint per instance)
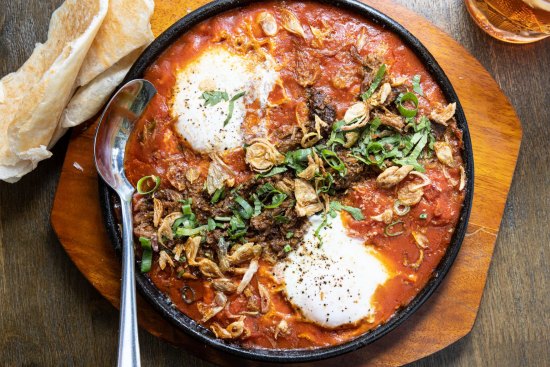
(128, 342)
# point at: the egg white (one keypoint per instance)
(218, 69)
(333, 283)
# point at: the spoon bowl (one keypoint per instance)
(115, 125)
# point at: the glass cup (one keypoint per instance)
(513, 21)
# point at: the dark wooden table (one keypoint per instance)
(51, 316)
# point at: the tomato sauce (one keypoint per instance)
(155, 145)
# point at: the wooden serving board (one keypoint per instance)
(451, 311)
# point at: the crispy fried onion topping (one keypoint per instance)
(224, 285)
(307, 201)
(441, 114)
(312, 168)
(247, 277)
(244, 253)
(265, 299)
(267, 21)
(393, 175)
(386, 216)
(206, 266)
(158, 209)
(356, 116)
(422, 243)
(261, 155)
(210, 310)
(311, 138)
(412, 193)
(391, 119)
(164, 259)
(291, 23)
(232, 331)
(444, 153)
(165, 228)
(219, 174)
(281, 329)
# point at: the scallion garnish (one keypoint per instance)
(148, 184)
(400, 209)
(287, 248)
(423, 216)
(232, 106)
(146, 255)
(211, 224)
(218, 194)
(289, 235)
(388, 230)
(334, 161)
(189, 232)
(407, 97)
(375, 83)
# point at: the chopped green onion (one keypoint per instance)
(274, 171)
(400, 209)
(148, 182)
(186, 209)
(423, 216)
(188, 294)
(356, 213)
(222, 219)
(189, 232)
(375, 83)
(387, 230)
(289, 235)
(146, 255)
(232, 106)
(416, 85)
(334, 161)
(287, 248)
(217, 195)
(211, 224)
(237, 227)
(407, 97)
(246, 211)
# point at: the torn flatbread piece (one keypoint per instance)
(34, 97)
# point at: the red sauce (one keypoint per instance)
(152, 149)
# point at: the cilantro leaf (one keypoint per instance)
(213, 97)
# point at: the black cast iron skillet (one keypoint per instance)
(163, 304)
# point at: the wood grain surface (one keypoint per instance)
(51, 316)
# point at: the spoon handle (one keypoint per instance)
(128, 343)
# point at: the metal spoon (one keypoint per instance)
(114, 128)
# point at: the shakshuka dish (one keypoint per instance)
(299, 175)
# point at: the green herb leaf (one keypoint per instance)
(274, 171)
(232, 106)
(375, 83)
(334, 161)
(423, 216)
(246, 211)
(287, 248)
(356, 213)
(289, 235)
(213, 97)
(416, 85)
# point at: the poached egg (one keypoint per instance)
(219, 69)
(332, 283)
